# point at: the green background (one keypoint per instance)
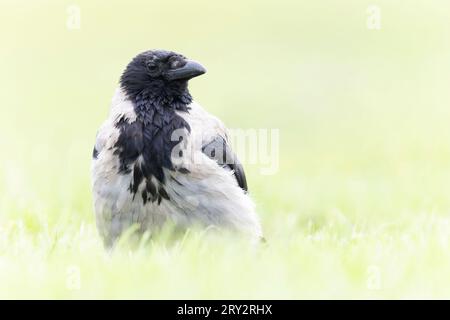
(359, 207)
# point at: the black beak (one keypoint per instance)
(190, 70)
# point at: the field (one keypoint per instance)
(358, 208)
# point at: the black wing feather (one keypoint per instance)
(219, 150)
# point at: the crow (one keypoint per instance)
(161, 157)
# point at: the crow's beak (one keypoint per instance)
(190, 70)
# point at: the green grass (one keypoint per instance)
(360, 206)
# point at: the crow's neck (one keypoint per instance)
(151, 106)
(156, 113)
(151, 137)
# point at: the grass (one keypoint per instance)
(359, 207)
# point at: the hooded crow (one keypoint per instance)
(161, 157)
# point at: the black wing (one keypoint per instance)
(219, 150)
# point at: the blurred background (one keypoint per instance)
(359, 206)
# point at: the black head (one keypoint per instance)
(159, 73)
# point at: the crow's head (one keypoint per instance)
(159, 73)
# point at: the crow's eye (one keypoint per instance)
(152, 67)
